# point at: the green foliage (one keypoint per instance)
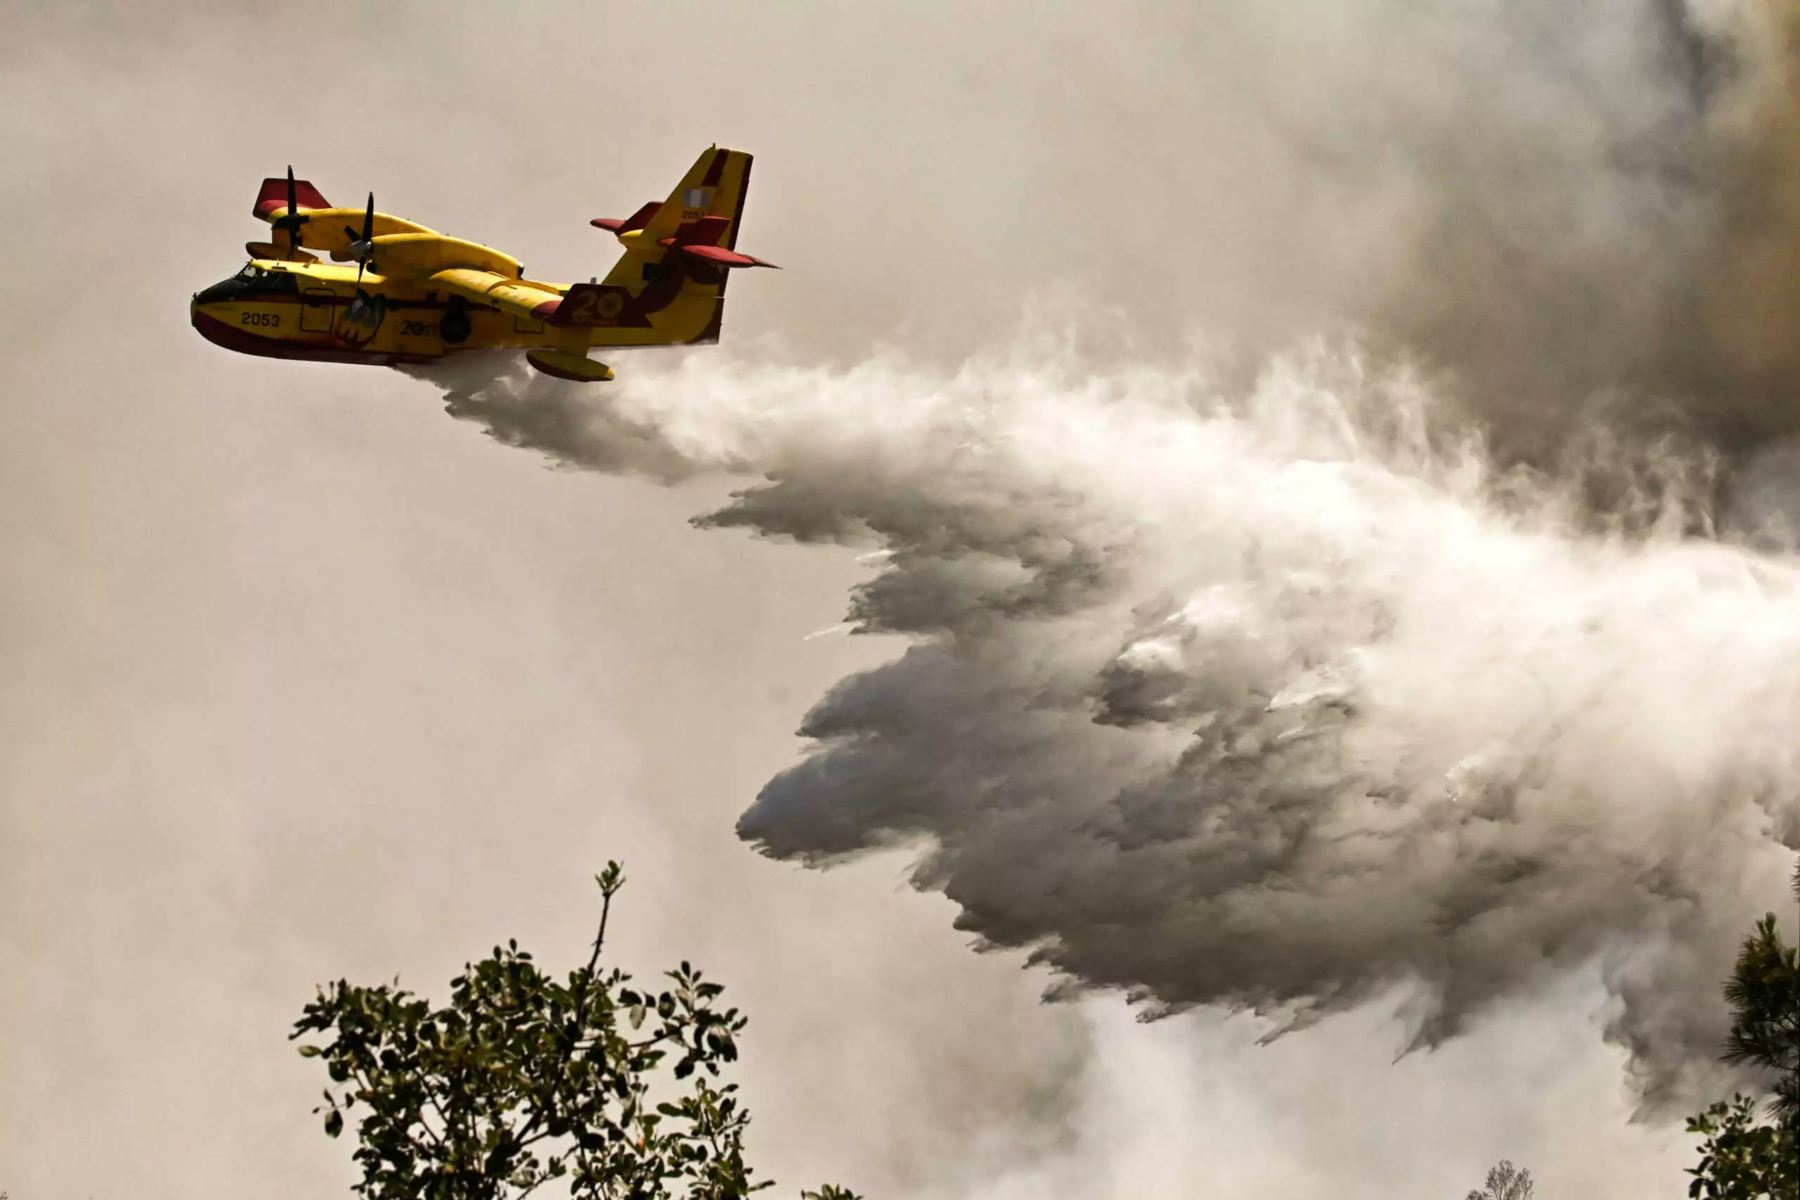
(1506, 1182)
(523, 1079)
(1764, 994)
(1741, 1159)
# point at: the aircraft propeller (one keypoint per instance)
(362, 249)
(291, 221)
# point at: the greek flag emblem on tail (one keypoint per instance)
(695, 197)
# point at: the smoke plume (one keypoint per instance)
(1272, 700)
(1449, 655)
(1593, 212)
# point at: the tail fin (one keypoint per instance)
(713, 187)
(678, 255)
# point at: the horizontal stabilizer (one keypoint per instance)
(273, 197)
(577, 368)
(719, 256)
(707, 231)
(636, 220)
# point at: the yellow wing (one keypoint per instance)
(302, 217)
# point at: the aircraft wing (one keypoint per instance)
(280, 197)
(520, 297)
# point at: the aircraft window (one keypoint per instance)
(250, 282)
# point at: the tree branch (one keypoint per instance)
(433, 1101)
(610, 882)
(587, 990)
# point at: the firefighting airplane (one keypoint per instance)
(415, 295)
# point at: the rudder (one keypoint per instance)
(679, 253)
(715, 186)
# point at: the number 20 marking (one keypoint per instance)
(584, 307)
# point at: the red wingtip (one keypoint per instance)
(274, 195)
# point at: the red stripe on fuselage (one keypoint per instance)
(232, 338)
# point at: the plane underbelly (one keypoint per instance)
(274, 329)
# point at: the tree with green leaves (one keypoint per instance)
(524, 1079)
(1506, 1182)
(1742, 1158)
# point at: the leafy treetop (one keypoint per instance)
(1742, 1159)
(523, 1079)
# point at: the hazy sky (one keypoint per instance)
(305, 679)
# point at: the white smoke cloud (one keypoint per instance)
(1272, 701)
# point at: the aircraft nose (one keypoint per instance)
(210, 327)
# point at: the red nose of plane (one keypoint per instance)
(214, 330)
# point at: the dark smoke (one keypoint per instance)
(1613, 233)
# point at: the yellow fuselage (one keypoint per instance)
(311, 310)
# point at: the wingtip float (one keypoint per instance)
(396, 292)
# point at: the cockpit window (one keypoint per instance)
(281, 281)
(250, 282)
